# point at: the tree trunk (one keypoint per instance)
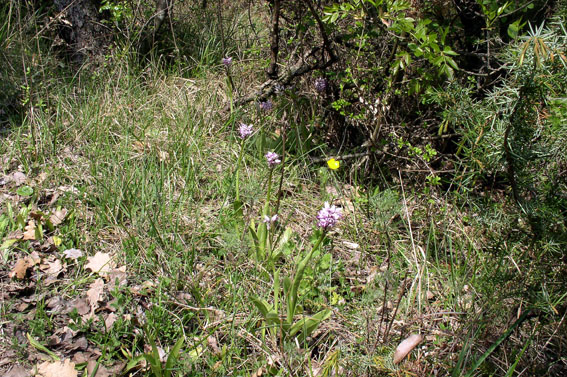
(83, 31)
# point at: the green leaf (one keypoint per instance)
(272, 318)
(196, 352)
(514, 29)
(155, 364)
(172, 358)
(38, 233)
(308, 324)
(24, 191)
(285, 245)
(134, 362)
(447, 51)
(263, 306)
(451, 62)
(7, 243)
(293, 294)
(237, 208)
(287, 291)
(153, 357)
(276, 290)
(325, 262)
(334, 18)
(252, 229)
(40, 347)
(495, 345)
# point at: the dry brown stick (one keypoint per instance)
(400, 295)
(275, 40)
(343, 157)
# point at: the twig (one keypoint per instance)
(275, 40)
(56, 18)
(170, 17)
(400, 295)
(343, 157)
(326, 43)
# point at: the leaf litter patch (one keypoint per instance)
(52, 296)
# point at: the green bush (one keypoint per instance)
(517, 134)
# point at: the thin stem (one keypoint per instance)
(265, 211)
(279, 194)
(238, 170)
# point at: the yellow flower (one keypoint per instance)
(333, 164)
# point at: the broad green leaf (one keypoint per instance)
(24, 191)
(134, 362)
(272, 318)
(196, 352)
(155, 364)
(7, 243)
(263, 306)
(172, 358)
(237, 207)
(308, 324)
(276, 290)
(287, 291)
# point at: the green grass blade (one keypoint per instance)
(499, 341)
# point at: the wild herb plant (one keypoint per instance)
(153, 358)
(139, 150)
(290, 326)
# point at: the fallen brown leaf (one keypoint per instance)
(117, 277)
(36, 215)
(29, 233)
(94, 294)
(15, 235)
(81, 343)
(109, 321)
(57, 369)
(18, 371)
(100, 371)
(34, 255)
(103, 371)
(82, 306)
(21, 268)
(52, 268)
(100, 263)
(18, 178)
(212, 343)
(66, 333)
(22, 306)
(81, 357)
(406, 346)
(73, 253)
(58, 216)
